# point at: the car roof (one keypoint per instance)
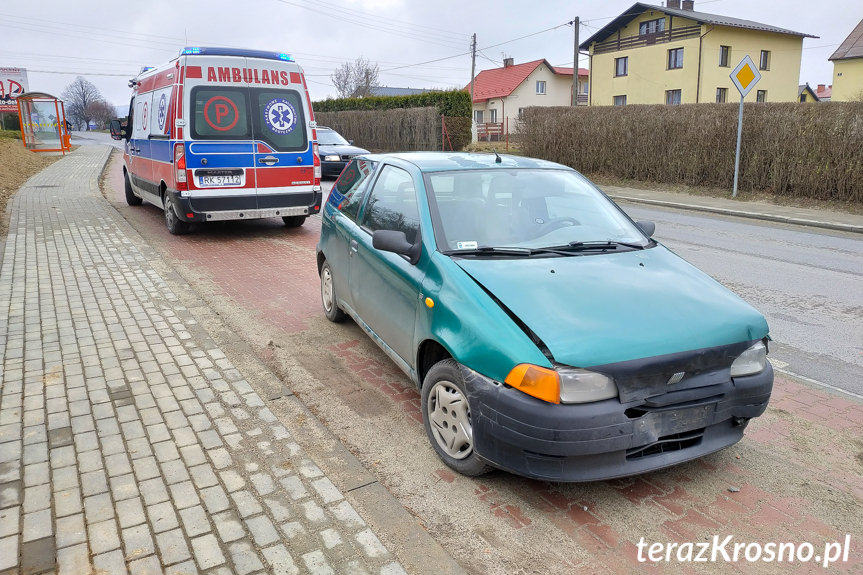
(449, 161)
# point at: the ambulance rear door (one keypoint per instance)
(284, 161)
(220, 150)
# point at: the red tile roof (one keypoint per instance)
(824, 92)
(501, 82)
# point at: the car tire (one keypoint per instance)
(175, 225)
(446, 415)
(131, 198)
(328, 295)
(294, 221)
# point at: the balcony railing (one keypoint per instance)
(647, 39)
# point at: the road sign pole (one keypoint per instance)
(737, 155)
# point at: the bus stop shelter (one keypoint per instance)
(43, 123)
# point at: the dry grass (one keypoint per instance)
(802, 151)
(17, 165)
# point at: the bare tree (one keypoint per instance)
(79, 96)
(102, 113)
(355, 79)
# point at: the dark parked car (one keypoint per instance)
(549, 334)
(335, 151)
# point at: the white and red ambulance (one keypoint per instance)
(222, 134)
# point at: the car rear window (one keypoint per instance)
(224, 113)
(220, 114)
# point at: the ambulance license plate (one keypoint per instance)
(216, 181)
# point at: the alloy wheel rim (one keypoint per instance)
(449, 418)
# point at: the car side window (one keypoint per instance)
(392, 204)
(348, 191)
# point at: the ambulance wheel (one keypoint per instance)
(175, 225)
(294, 221)
(131, 198)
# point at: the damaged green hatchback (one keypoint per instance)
(549, 335)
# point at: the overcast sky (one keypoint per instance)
(107, 41)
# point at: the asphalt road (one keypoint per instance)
(807, 282)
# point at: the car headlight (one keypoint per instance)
(562, 385)
(331, 158)
(751, 361)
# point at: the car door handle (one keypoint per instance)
(137, 150)
(354, 245)
(269, 160)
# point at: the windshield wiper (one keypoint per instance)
(604, 245)
(490, 251)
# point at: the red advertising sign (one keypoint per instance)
(13, 83)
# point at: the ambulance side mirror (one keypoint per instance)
(118, 132)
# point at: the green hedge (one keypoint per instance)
(789, 149)
(451, 103)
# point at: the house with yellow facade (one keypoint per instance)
(848, 67)
(675, 55)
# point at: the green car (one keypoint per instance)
(549, 335)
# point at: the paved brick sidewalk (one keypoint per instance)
(128, 441)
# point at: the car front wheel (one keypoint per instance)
(131, 198)
(446, 414)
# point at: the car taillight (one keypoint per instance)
(180, 166)
(317, 163)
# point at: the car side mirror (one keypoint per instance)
(351, 142)
(647, 227)
(117, 130)
(397, 243)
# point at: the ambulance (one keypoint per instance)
(222, 134)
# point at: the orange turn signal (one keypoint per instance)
(539, 382)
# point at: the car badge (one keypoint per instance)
(675, 378)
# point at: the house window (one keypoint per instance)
(761, 96)
(540, 86)
(620, 100)
(651, 27)
(672, 97)
(621, 66)
(492, 116)
(803, 97)
(724, 55)
(675, 58)
(764, 64)
(584, 88)
(521, 113)
(721, 95)
(477, 116)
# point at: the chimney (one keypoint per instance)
(674, 4)
(689, 5)
(507, 62)
(821, 87)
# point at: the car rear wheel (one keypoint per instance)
(446, 414)
(294, 221)
(131, 198)
(328, 295)
(175, 225)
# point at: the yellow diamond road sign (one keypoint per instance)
(745, 75)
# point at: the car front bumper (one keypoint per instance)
(607, 439)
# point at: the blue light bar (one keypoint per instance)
(210, 51)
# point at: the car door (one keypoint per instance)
(340, 227)
(140, 164)
(385, 287)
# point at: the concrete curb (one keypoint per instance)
(743, 214)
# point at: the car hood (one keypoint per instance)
(326, 149)
(604, 308)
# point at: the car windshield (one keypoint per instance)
(524, 208)
(331, 138)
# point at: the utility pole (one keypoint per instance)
(575, 64)
(472, 74)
